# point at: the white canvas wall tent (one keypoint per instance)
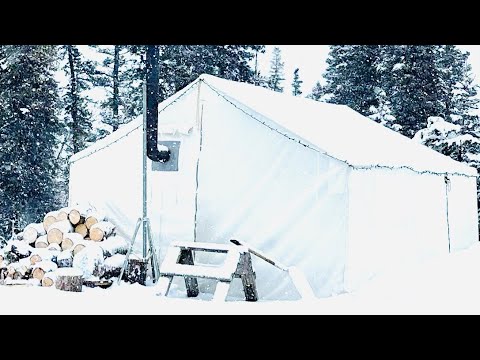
(315, 185)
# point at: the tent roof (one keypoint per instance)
(335, 130)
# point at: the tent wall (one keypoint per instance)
(462, 212)
(111, 179)
(267, 190)
(399, 216)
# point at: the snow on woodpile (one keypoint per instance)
(80, 238)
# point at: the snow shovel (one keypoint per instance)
(297, 276)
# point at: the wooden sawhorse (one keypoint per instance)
(179, 262)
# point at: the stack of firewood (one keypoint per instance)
(76, 237)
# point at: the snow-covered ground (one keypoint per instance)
(448, 284)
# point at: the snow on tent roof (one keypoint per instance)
(337, 130)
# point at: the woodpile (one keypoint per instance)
(71, 245)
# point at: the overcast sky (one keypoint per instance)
(310, 59)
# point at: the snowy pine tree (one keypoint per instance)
(411, 80)
(116, 78)
(352, 77)
(77, 116)
(296, 84)
(29, 133)
(317, 93)
(276, 71)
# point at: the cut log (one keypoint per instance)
(56, 230)
(18, 270)
(49, 219)
(65, 259)
(20, 249)
(101, 230)
(35, 259)
(104, 284)
(90, 260)
(41, 242)
(114, 245)
(82, 230)
(70, 239)
(3, 273)
(43, 254)
(69, 279)
(79, 246)
(94, 218)
(54, 247)
(32, 232)
(48, 279)
(78, 214)
(113, 266)
(42, 267)
(63, 214)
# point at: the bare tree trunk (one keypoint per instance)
(116, 85)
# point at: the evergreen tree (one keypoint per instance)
(276, 71)
(411, 80)
(458, 93)
(116, 78)
(296, 84)
(182, 64)
(352, 77)
(77, 116)
(317, 92)
(29, 134)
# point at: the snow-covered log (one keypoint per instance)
(41, 242)
(69, 279)
(49, 219)
(20, 249)
(114, 245)
(42, 267)
(113, 266)
(49, 278)
(81, 229)
(54, 247)
(93, 218)
(90, 260)
(43, 254)
(63, 214)
(136, 270)
(78, 214)
(101, 230)
(79, 246)
(70, 239)
(18, 270)
(32, 232)
(56, 230)
(65, 259)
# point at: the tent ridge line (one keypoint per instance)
(359, 167)
(270, 127)
(135, 128)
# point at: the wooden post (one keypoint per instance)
(191, 283)
(137, 271)
(245, 269)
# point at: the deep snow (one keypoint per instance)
(444, 285)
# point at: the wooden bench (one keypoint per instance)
(179, 262)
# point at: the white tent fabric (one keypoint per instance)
(313, 185)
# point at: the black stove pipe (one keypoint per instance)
(152, 79)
